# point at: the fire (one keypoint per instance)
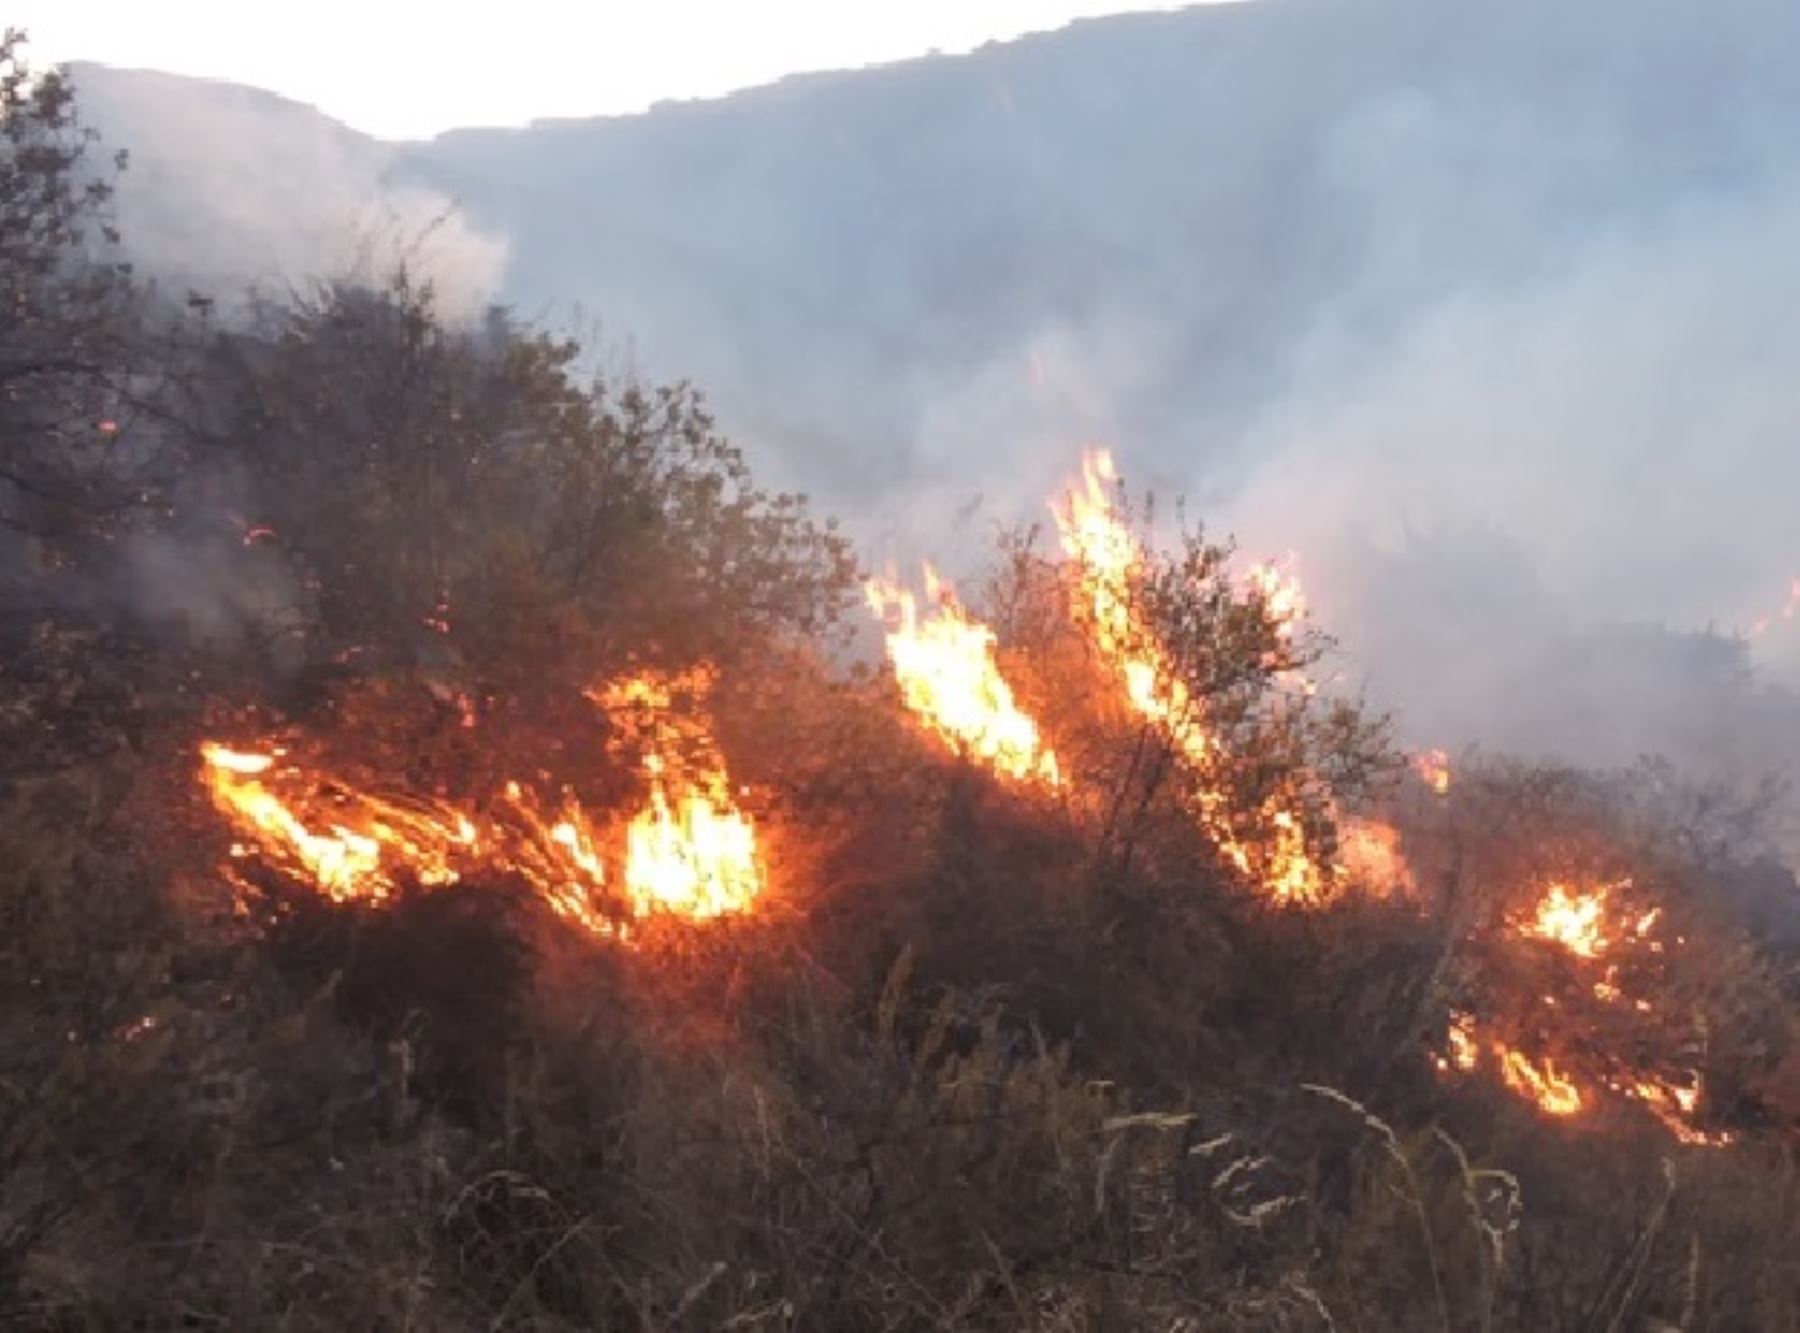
(950, 680)
(1575, 921)
(690, 856)
(1282, 596)
(1554, 1092)
(1790, 608)
(1673, 1107)
(351, 845)
(1433, 768)
(1543, 1084)
(1107, 564)
(354, 846)
(1369, 853)
(689, 851)
(558, 856)
(1106, 567)
(1461, 1037)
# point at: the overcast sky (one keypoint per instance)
(411, 68)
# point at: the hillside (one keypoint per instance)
(1508, 306)
(474, 854)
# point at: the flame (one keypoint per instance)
(350, 849)
(354, 846)
(1369, 853)
(1553, 1092)
(1433, 768)
(1546, 1087)
(1574, 920)
(951, 682)
(689, 851)
(1107, 566)
(1790, 608)
(1461, 1039)
(1282, 597)
(558, 857)
(1673, 1107)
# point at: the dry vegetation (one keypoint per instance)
(983, 1056)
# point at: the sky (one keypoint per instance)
(404, 69)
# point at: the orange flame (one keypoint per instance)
(1369, 853)
(951, 682)
(1461, 1038)
(1433, 768)
(1554, 1092)
(1107, 567)
(1545, 1086)
(689, 851)
(356, 842)
(1673, 1107)
(1283, 599)
(354, 846)
(1574, 920)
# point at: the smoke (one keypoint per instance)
(1481, 310)
(231, 188)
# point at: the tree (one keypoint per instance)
(68, 302)
(458, 498)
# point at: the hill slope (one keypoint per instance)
(1403, 286)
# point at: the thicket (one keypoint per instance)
(985, 1059)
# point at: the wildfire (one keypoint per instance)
(1282, 596)
(689, 851)
(1545, 1086)
(1369, 853)
(949, 679)
(1463, 1053)
(1554, 1092)
(1107, 566)
(1433, 768)
(353, 846)
(1673, 1107)
(1574, 920)
(1790, 608)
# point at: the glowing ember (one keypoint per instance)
(945, 666)
(690, 851)
(1107, 567)
(1433, 768)
(1461, 1038)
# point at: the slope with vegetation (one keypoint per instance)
(983, 1054)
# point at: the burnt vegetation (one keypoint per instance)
(983, 1055)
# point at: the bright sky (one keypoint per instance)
(410, 68)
